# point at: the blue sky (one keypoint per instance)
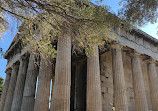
(5, 43)
(151, 29)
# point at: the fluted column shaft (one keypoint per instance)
(12, 84)
(5, 90)
(43, 89)
(94, 100)
(153, 83)
(18, 93)
(61, 92)
(120, 98)
(138, 84)
(30, 86)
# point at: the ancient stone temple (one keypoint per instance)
(122, 77)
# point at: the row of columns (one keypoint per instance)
(19, 88)
(120, 98)
(20, 85)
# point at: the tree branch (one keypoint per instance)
(12, 13)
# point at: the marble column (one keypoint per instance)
(120, 98)
(94, 100)
(153, 83)
(18, 93)
(5, 90)
(43, 89)
(138, 84)
(61, 92)
(30, 86)
(12, 84)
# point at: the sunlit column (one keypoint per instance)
(120, 98)
(138, 84)
(94, 100)
(61, 92)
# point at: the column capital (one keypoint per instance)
(15, 66)
(8, 71)
(150, 60)
(134, 53)
(24, 57)
(116, 46)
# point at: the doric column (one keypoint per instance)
(94, 100)
(153, 83)
(12, 84)
(43, 89)
(138, 84)
(18, 93)
(120, 98)
(61, 92)
(30, 86)
(5, 90)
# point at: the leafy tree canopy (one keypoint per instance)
(89, 23)
(1, 52)
(139, 11)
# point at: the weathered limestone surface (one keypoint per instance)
(157, 70)
(146, 82)
(123, 87)
(141, 45)
(153, 83)
(61, 93)
(94, 100)
(138, 83)
(10, 93)
(120, 98)
(5, 90)
(18, 93)
(129, 81)
(30, 86)
(106, 81)
(43, 90)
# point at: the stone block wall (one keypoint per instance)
(128, 81)
(106, 81)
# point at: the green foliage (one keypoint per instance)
(1, 52)
(3, 24)
(1, 85)
(90, 24)
(140, 12)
